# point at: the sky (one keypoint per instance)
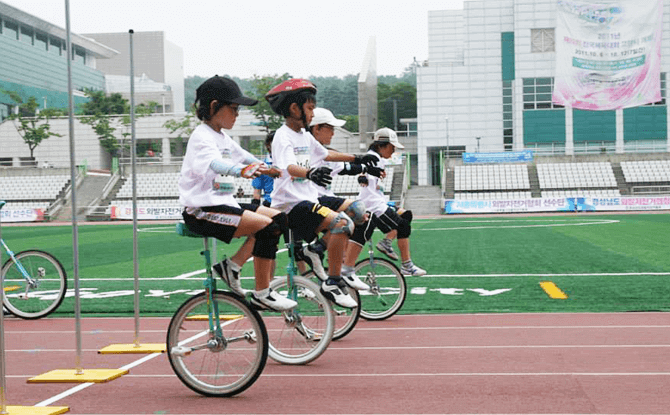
(246, 38)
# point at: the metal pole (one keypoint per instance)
(73, 185)
(3, 385)
(136, 269)
(446, 121)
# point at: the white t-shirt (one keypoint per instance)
(372, 195)
(292, 148)
(201, 186)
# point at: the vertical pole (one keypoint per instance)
(3, 385)
(73, 182)
(136, 271)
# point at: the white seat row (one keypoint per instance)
(494, 177)
(575, 175)
(32, 187)
(492, 195)
(582, 193)
(646, 171)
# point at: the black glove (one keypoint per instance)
(375, 171)
(362, 180)
(367, 159)
(256, 202)
(320, 176)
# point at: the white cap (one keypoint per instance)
(323, 116)
(387, 135)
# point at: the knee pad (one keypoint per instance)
(407, 215)
(335, 228)
(356, 211)
(268, 237)
(404, 229)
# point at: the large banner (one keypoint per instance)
(608, 53)
(567, 204)
(21, 215)
(506, 157)
(146, 213)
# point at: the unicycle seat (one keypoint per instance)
(183, 230)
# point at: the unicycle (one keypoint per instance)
(217, 344)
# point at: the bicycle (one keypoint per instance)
(388, 288)
(217, 343)
(34, 282)
(302, 334)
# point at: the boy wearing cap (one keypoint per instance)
(207, 187)
(383, 217)
(295, 152)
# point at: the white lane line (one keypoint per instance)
(655, 326)
(83, 386)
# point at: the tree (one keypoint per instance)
(33, 125)
(263, 112)
(100, 103)
(404, 96)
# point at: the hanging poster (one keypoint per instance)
(608, 53)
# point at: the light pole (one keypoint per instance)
(446, 121)
(478, 138)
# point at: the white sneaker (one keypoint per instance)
(228, 275)
(338, 294)
(353, 281)
(272, 301)
(384, 246)
(412, 271)
(314, 260)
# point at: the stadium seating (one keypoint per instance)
(575, 176)
(31, 192)
(648, 171)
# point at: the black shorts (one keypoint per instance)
(387, 222)
(332, 202)
(305, 218)
(218, 222)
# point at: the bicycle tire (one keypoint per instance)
(345, 318)
(29, 301)
(388, 288)
(219, 366)
(301, 335)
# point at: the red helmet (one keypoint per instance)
(277, 95)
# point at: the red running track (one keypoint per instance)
(484, 364)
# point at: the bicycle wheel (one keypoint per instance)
(214, 364)
(41, 293)
(345, 318)
(387, 288)
(300, 335)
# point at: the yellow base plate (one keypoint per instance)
(11, 288)
(36, 410)
(70, 376)
(224, 317)
(553, 291)
(133, 348)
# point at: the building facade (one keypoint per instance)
(487, 86)
(155, 58)
(33, 61)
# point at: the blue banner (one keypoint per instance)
(506, 157)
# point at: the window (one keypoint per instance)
(542, 40)
(11, 29)
(41, 41)
(662, 101)
(537, 94)
(508, 112)
(55, 46)
(27, 35)
(78, 55)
